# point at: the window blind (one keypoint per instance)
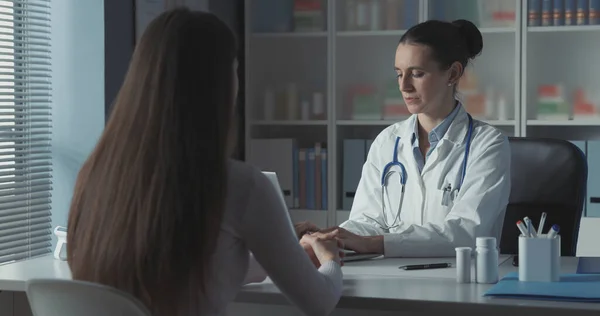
(25, 129)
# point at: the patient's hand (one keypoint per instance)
(310, 252)
(308, 248)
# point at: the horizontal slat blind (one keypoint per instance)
(25, 129)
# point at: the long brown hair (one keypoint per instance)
(148, 202)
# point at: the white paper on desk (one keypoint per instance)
(589, 234)
(390, 267)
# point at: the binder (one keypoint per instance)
(571, 287)
(269, 155)
(310, 179)
(353, 160)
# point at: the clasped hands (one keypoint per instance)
(313, 239)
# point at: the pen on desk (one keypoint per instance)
(542, 222)
(522, 228)
(553, 231)
(530, 227)
(426, 266)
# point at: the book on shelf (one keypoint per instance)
(563, 12)
(302, 175)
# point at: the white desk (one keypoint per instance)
(374, 287)
(13, 276)
(378, 287)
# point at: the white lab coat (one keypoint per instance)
(428, 228)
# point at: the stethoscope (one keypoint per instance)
(395, 162)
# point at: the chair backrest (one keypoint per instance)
(61, 297)
(548, 175)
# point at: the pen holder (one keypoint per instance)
(539, 259)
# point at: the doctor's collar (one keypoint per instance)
(455, 133)
(438, 132)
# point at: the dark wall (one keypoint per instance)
(119, 41)
(232, 12)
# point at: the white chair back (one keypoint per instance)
(61, 297)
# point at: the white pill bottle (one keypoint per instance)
(486, 254)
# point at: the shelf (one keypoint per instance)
(289, 123)
(485, 30)
(499, 122)
(390, 122)
(371, 33)
(290, 35)
(563, 28)
(496, 30)
(367, 122)
(588, 122)
(331, 60)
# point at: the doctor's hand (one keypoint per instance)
(359, 244)
(305, 227)
(322, 248)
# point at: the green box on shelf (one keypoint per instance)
(366, 107)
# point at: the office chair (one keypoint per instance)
(61, 297)
(547, 175)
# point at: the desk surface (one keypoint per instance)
(367, 284)
(14, 275)
(379, 284)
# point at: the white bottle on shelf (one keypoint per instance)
(305, 110)
(490, 107)
(292, 101)
(350, 15)
(362, 15)
(502, 111)
(375, 15)
(318, 107)
(269, 106)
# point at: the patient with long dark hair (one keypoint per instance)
(161, 211)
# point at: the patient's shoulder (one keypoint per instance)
(245, 183)
(242, 173)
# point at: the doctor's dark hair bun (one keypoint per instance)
(457, 41)
(473, 38)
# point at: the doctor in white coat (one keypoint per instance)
(445, 175)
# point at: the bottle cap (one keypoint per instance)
(463, 249)
(488, 242)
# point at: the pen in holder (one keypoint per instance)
(539, 258)
(61, 235)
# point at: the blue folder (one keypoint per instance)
(571, 287)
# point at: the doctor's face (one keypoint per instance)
(422, 83)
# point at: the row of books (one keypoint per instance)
(302, 175)
(373, 15)
(277, 16)
(563, 12)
